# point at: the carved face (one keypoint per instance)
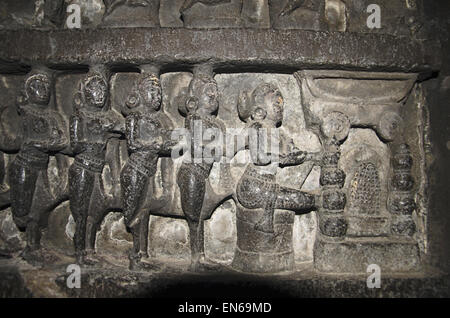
(150, 90)
(37, 88)
(208, 99)
(269, 98)
(95, 91)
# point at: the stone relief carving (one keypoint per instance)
(401, 202)
(148, 138)
(43, 133)
(365, 190)
(353, 181)
(260, 232)
(332, 120)
(129, 13)
(296, 14)
(196, 193)
(336, 15)
(92, 126)
(401, 17)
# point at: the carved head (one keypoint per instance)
(203, 94)
(147, 93)
(95, 90)
(265, 103)
(37, 88)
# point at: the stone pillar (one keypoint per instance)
(332, 222)
(401, 201)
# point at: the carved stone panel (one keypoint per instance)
(214, 138)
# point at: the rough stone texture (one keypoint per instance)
(249, 49)
(110, 282)
(221, 15)
(220, 233)
(92, 12)
(370, 100)
(169, 13)
(354, 256)
(11, 239)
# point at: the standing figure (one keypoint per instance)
(200, 109)
(92, 125)
(257, 188)
(10, 141)
(43, 133)
(148, 138)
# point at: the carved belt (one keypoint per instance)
(92, 164)
(141, 165)
(197, 169)
(35, 160)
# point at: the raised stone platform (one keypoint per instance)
(21, 280)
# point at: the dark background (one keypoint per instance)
(437, 21)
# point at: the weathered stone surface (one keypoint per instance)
(169, 237)
(220, 233)
(169, 13)
(354, 256)
(286, 14)
(131, 14)
(248, 48)
(111, 283)
(11, 239)
(355, 134)
(92, 12)
(213, 14)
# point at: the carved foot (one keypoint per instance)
(87, 258)
(203, 265)
(137, 264)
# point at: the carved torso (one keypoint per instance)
(43, 130)
(147, 136)
(90, 132)
(207, 122)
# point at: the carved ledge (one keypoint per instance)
(225, 49)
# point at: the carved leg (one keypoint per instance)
(288, 199)
(33, 234)
(5, 198)
(143, 235)
(79, 236)
(135, 188)
(23, 182)
(32, 253)
(266, 223)
(2, 167)
(295, 200)
(194, 240)
(192, 192)
(81, 184)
